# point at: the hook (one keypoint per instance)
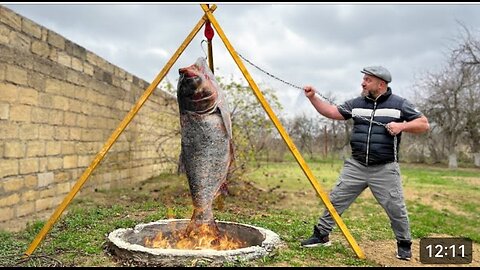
(203, 49)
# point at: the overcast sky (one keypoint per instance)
(325, 45)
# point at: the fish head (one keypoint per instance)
(197, 90)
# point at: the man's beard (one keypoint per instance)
(370, 93)
(364, 93)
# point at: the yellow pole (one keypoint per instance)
(286, 138)
(100, 155)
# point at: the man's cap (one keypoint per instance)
(379, 72)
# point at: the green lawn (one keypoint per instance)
(276, 196)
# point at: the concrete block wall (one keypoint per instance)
(59, 103)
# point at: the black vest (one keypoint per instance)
(371, 143)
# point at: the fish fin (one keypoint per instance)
(181, 165)
(226, 120)
(225, 113)
(231, 164)
(219, 199)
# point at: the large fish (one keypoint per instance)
(206, 141)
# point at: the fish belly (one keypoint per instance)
(206, 156)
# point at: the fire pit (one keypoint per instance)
(128, 245)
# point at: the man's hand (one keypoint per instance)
(418, 125)
(309, 91)
(324, 108)
(394, 128)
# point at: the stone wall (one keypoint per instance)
(59, 103)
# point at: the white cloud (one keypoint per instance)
(325, 45)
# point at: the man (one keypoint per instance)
(379, 119)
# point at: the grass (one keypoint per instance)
(276, 196)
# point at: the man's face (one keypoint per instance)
(371, 86)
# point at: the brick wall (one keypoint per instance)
(59, 103)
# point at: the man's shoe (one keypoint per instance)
(404, 250)
(316, 240)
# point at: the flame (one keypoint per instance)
(202, 237)
(157, 242)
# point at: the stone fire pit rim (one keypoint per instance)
(271, 240)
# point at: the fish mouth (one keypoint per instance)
(187, 76)
(188, 73)
(188, 85)
(190, 78)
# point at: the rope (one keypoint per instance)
(327, 99)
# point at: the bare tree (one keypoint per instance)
(252, 129)
(467, 57)
(443, 102)
(307, 133)
(468, 51)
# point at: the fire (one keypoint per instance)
(203, 237)
(157, 242)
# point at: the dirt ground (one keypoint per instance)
(383, 253)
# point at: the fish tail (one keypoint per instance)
(197, 229)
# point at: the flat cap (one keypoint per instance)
(379, 72)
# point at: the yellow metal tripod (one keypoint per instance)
(208, 17)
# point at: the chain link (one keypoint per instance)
(327, 99)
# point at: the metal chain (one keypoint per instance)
(269, 74)
(327, 99)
